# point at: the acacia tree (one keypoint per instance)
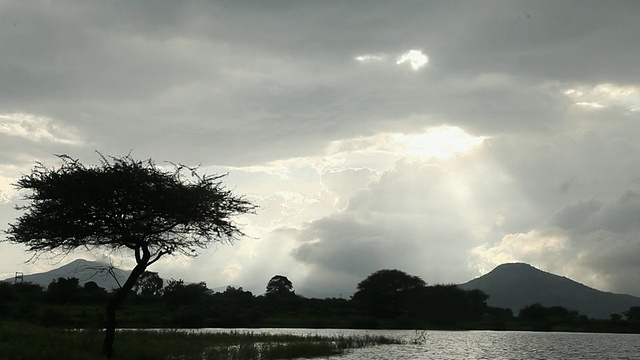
(124, 204)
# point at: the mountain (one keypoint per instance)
(84, 270)
(517, 285)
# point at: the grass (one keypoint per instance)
(26, 342)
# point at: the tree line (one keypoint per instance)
(385, 299)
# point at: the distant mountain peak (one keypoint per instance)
(516, 285)
(84, 270)
(514, 265)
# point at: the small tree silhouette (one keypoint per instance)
(279, 285)
(149, 284)
(383, 292)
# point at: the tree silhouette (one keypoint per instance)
(633, 314)
(64, 290)
(149, 284)
(445, 305)
(384, 291)
(533, 312)
(6, 292)
(279, 285)
(93, 293)
(237, 296)
(177, 293)
(124, 204)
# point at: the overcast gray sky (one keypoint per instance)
(441, 138)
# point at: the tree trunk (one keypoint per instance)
(113, 305)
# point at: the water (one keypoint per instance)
(482, 345)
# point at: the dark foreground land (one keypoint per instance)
(38, 323)
(39, 329)
(27, 342)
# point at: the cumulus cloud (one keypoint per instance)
(594, 242)
(535, 247)
(420, 217)
(581, 184)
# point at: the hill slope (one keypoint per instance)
(84, 270)
(517, 285)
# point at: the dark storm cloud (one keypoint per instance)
(226, 74)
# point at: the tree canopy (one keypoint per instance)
(149, 284)
(384, 291)
(387, 283)
(124, 203)
(633, 314)
(279, 285)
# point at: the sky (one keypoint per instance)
(441, 138)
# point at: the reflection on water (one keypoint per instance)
(477, 345)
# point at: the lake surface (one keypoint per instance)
(481, 345)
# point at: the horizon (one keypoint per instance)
(305, 291)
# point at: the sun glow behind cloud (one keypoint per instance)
(436, 142)
(291, 188)
(377, 152)
(441, 142)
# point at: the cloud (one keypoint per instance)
(603, 96)
(6, 190)
(38, 128)
(419, 217)
(594, 242)
(370, 58)
(345, 182)
(581, 183)
(4, 198)
(415, 58)
(534, 247)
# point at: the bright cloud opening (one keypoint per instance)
(535, 247)
(377, 152)
(440, 142)
(415, 58)
(606, 95)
